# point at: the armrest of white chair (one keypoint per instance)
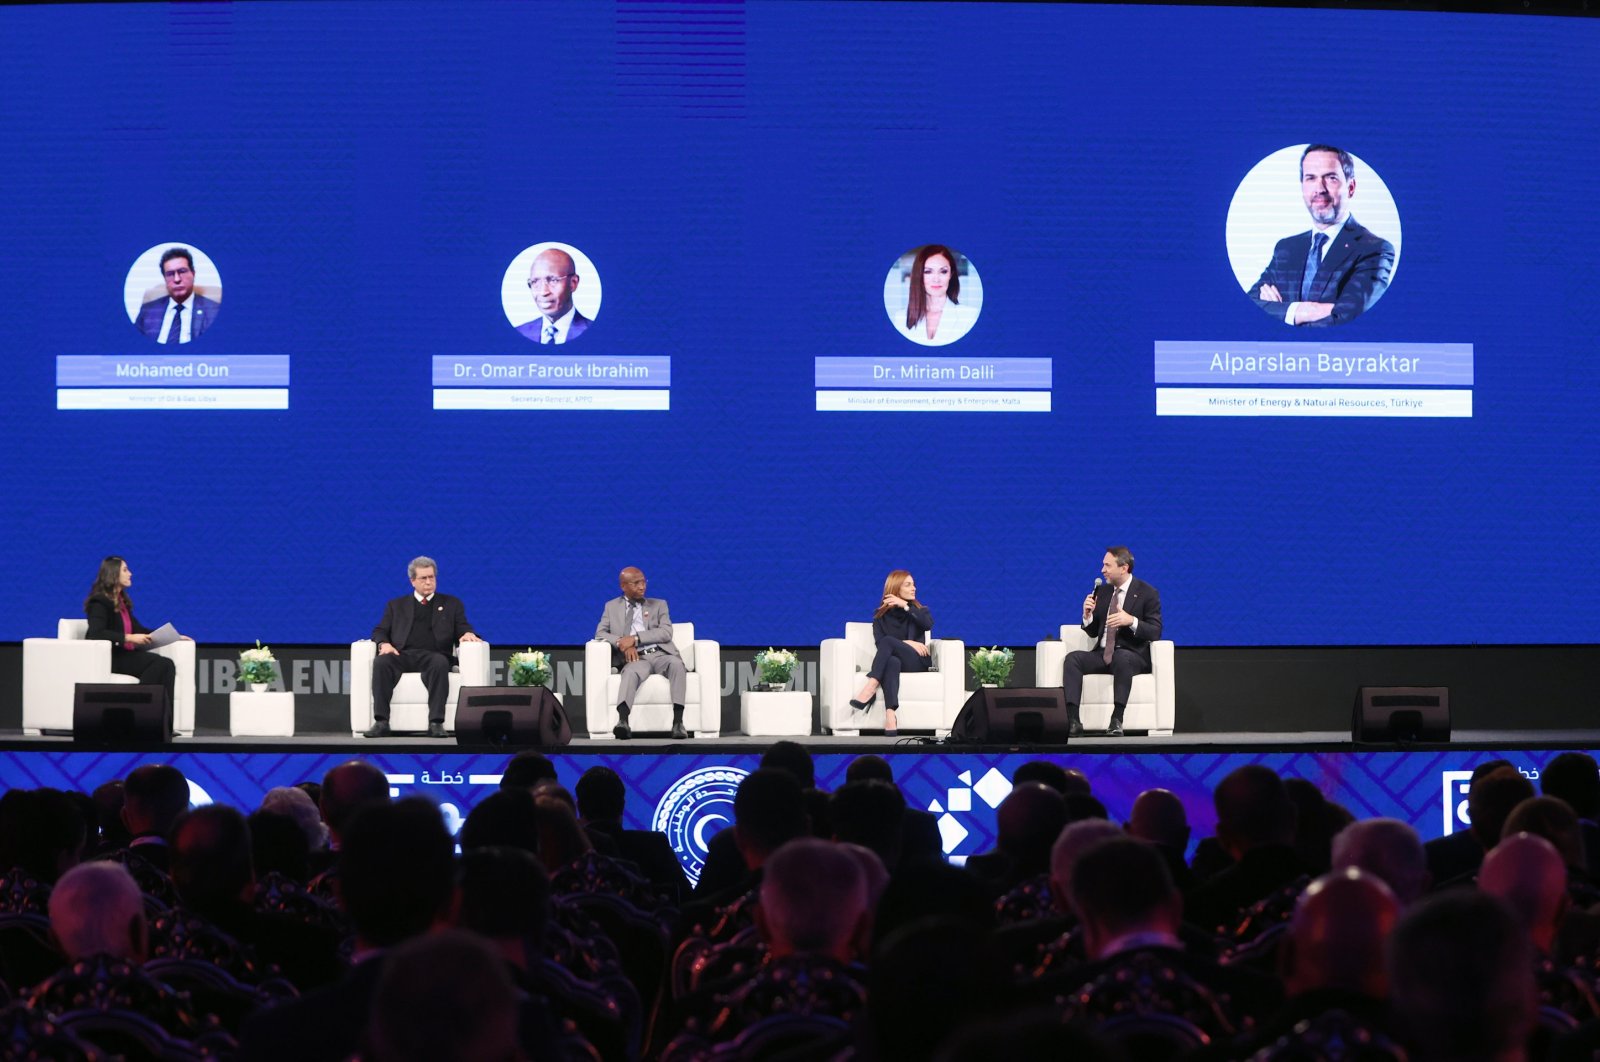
(1074, 639)
(1049, 657)
(596, 670)
(182, 654)
(472, 663)
(362, 654)
(50, 668)
(836, 674)
(1163, 662)
(708, 665)
(951, 656)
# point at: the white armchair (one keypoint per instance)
(1150, 703)
(408, 708)
(51, 667)
(929, 700)
(651, 709)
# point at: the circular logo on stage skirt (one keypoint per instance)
(693, 810)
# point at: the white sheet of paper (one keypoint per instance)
(165, 634)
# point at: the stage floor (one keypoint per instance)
(1213, 742)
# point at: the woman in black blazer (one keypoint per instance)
(900, 629)
(111, 619)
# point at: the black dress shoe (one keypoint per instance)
(678, 731)
(436, 730)
(621, 731)
(379, 728)
(1074, 728)
(862, 706)
(1114, 730)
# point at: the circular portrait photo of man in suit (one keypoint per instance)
(1296, 245)
(551, 293)
(173, 293)
(933, 295)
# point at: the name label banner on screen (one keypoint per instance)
(933, 401)
(540, 371)
(982, 374)
(172, 398)
(655, 399)
(1409, 364)
(164, 370)
(1310, 402)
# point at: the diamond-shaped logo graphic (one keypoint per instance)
(993, 787)
(959, 799)
(951, 832)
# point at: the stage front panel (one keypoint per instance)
(689, 796)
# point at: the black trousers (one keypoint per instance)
(1125, 663)
(386, 672)
(895, 656)
(151, 669)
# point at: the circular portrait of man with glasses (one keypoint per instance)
(173, 293)
(551, 293)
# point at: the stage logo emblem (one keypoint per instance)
(693, 810)
(1457, 784)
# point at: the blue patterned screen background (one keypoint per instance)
(742, 177)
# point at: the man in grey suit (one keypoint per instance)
(639, 631)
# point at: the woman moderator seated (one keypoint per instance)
(934, 312)
(111, 619)
(898, 627)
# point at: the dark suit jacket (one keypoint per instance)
(105, 624)
(308, 955)
(534, 329)
(1354, 273)
(1453, 856)
(449, 621)
(723, 869)
(1142, 602)
(1248, 994)
(324, 1024)
(153, 851)
(1259, 873)
(331, 1023)
(152, 313)
(650, 851)
(1365, 1011)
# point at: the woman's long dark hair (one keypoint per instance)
(108, 584)
(917, 304)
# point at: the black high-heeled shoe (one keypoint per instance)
(862, 706)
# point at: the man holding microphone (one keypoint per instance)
(1123, 616)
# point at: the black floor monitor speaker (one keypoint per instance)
(511, 715)
(111, 713)
(1021, 716)
(1401, 713)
